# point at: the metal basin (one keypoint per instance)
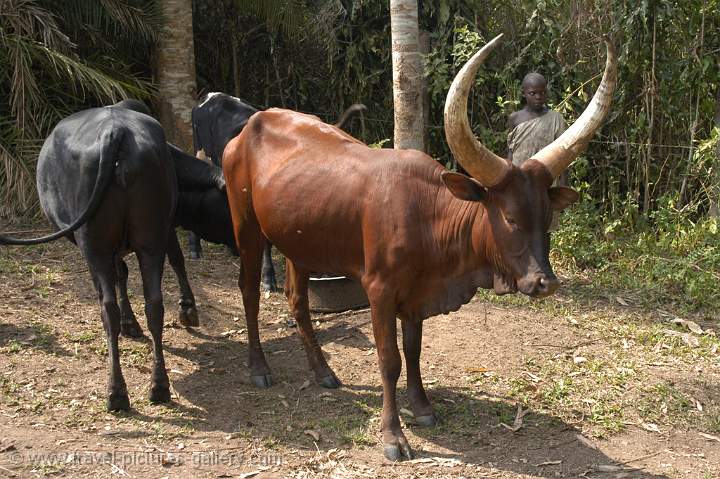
(334, 294)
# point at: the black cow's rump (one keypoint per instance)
(106, 180)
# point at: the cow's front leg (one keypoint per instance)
(268, 270)
(412, 345)
(187, 313)
(129, 326)
(382, 307)
(296, 290)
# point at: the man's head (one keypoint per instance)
(534, 90)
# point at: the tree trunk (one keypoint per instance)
(407, 74)
(424, 51)
(175, 72)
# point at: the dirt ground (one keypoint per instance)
(522, 390)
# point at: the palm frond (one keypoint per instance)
(138, 19)
(17, 175)
(134, 20)
(28, 18)
(84, 78)
(47, 76)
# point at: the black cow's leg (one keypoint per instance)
(128, 323)
(296, 286)
(250, 245)
(194, 245)
(383, 311)
(151, 268)
(102, 267)
(187, 314)
(268, 271)
(412, 345)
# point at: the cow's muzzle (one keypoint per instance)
(539, 286)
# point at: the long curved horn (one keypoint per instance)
(560, 153)
(482, 164)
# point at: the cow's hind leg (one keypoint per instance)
(187, 314)
(129, 326)
(384, 322)
(194, 245)
(250, 244)
(268, 271)
(296, 290)
(102, 267)
(412, 345)
(151, 268)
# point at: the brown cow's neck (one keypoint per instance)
(465, 234)
(453, 258)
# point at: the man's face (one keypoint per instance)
(534, 94)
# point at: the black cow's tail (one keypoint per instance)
(111, 139)
(348, 114)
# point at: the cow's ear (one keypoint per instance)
(561, 197)
(464, 187)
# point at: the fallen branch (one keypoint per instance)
(647, 456)
(518, 423)
(350, 312)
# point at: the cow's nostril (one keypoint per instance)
(548, 286)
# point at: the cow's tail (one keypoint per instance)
(349, 114)
(111, 138)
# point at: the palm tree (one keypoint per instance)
(407, 74)
(54, 59)
(175, 72)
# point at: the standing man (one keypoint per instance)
(535, 126)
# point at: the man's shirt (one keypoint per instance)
(531, 136)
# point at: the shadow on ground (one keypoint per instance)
(223, 399)
(29, 336)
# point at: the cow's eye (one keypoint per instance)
(510, 221)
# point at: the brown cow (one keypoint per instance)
(420, 238)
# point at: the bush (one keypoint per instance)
(672, 258)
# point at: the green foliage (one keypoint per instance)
(56, 58)
(647, 149)
(648, 179)
(673, 257)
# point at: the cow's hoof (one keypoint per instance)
(397, 452)
(429, 420)
(270, 287)
(263, 381)
(126, 313)
(118, 402)
(330, 382)
(159, 394)
(131, 330)
(194, 255)
(188, 317)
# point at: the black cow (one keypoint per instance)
(218, 119)
(106, 180)
(202, 207)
